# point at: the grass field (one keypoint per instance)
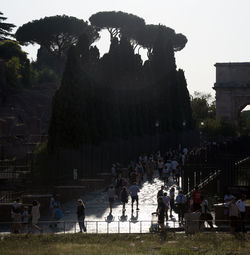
(81, 244)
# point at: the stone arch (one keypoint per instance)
(232, 90)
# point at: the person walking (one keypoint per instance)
(160, 192)
(234, 215)
(196, 195)
(111, 197)
(35, 214)
(25, 219)
(55, 208)
(181, 201)
(134, 196)
(81, 215)
(172, 197)
(242, 208)
(124, 198)
(160, 167)
(227, 199)
(205, 214)
(166, 200)
(16, 215)
(161, 209)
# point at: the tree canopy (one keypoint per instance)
(134, 28)
(5, 28)
(116, 22)
(55, 33)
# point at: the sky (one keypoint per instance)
(217, 30)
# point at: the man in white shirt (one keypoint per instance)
(242, 208)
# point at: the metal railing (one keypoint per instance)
(119, 227)
(9, 196)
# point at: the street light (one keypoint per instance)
(201, 137)
(182, 134)
(157, 125)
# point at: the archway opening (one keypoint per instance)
(244, 121)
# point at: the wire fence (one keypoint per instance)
(121, 226)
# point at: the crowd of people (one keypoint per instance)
(126, 183)
(22, 216)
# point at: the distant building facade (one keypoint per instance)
(232, 88)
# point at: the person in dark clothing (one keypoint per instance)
(124, 197)
(81, 215)
(161, 209)
(160, 192)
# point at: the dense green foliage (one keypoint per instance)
(204, 112)
(5, 28)
(17, 65)
(118, 96)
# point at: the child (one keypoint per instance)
(26, 217)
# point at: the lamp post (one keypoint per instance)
(157, 125)
(201, 127)
(183, 134)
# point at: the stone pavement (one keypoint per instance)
(98, 218)
(97, 210)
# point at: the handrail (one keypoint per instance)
(105, 226)
(206, 181)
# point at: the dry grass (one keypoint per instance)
(113, 244)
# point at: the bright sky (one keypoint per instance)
(217, 30)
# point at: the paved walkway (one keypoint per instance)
(99, 220)
(97, 209)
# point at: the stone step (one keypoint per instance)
(92, 184)
(70, 192)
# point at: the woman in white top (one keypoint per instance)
(35, 213)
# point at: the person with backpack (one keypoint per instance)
(124, 197)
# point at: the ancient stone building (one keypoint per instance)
(232, 90)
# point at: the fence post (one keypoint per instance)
(96, 228)
(107, 228)
(129, 227)
(140, 227)
(64, 226)
(75, 227)
(118, 227)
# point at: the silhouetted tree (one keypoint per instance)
(56, 33)
(115, 22)
(5, 28)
